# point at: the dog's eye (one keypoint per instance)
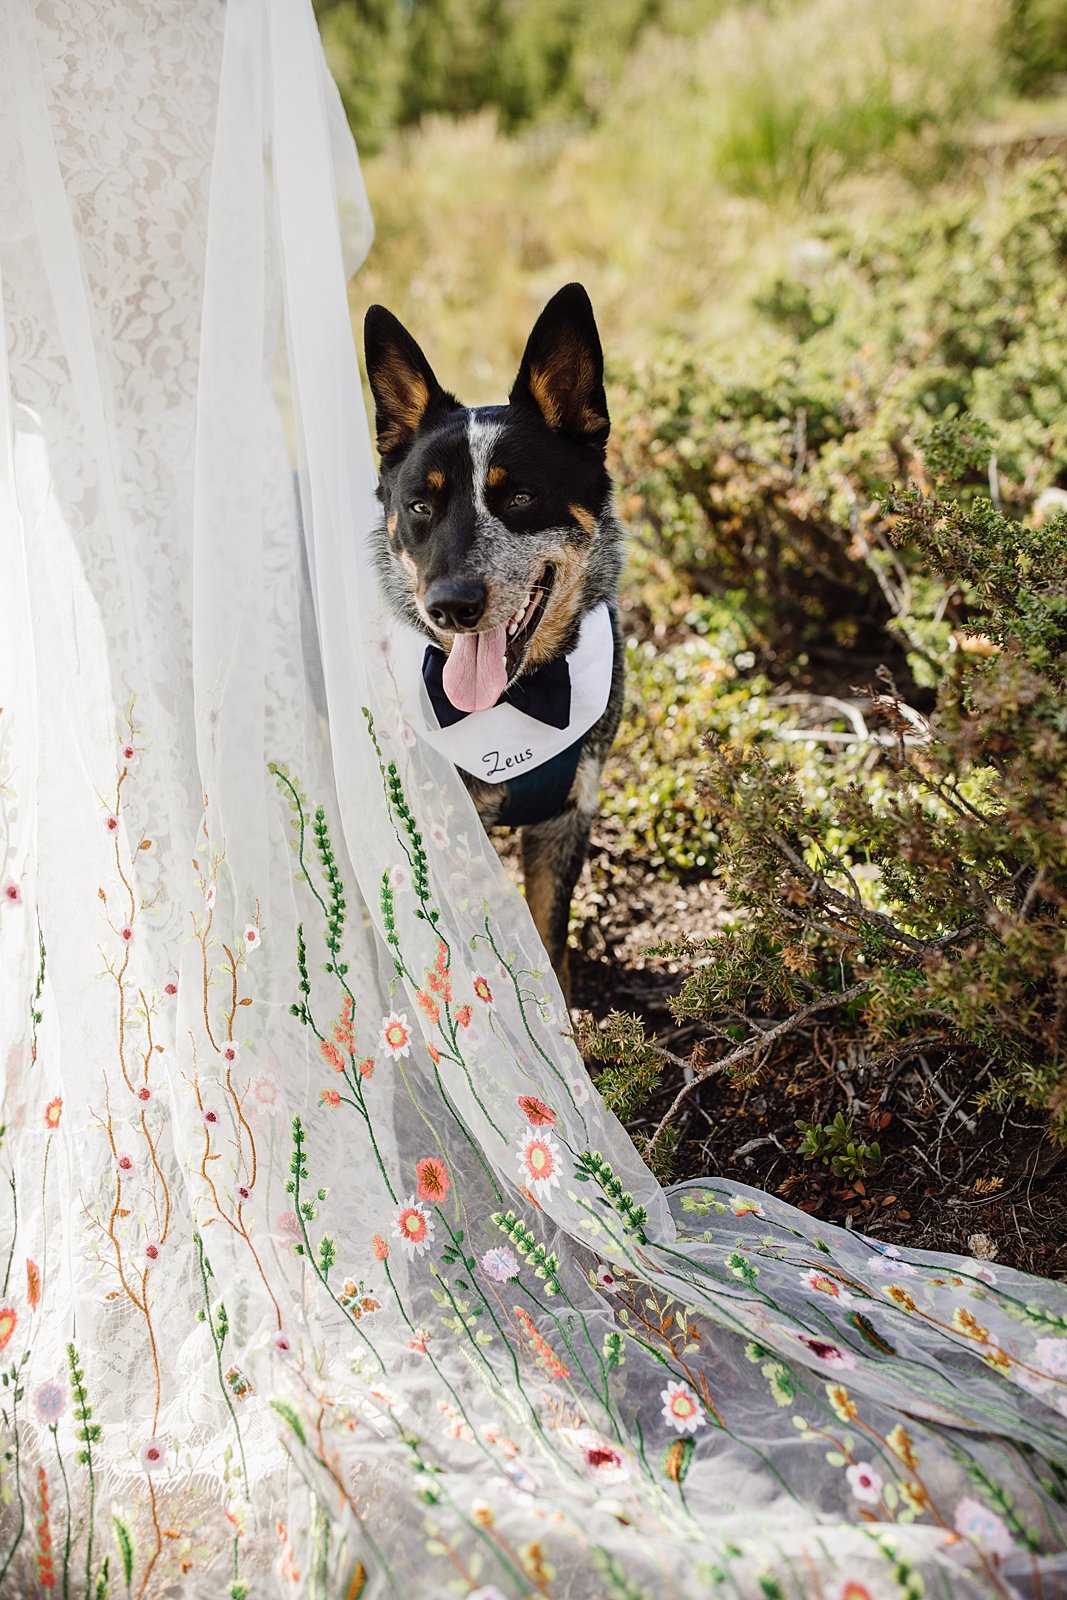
(518, 500)
(419, 508)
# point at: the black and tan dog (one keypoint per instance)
(498, 543)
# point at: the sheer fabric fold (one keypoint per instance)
(323, 1269)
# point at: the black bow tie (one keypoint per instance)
(545, 693)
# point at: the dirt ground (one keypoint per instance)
(986, 1184)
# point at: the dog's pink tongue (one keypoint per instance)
(476, 674)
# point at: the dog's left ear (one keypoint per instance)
(562, 371)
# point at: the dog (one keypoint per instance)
(498, 544)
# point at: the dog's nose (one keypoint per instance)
(455, 603)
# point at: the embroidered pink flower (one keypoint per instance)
(1051, 1357)
(144, 1093)
(151, 1251)
(535, 1111)
(281, 1344)
(433, 1179)
(824, 1284)
(579, 1088)
(211, 1118)
(399, 879)
(209, 896)
(329, 1097)
(129, 754)
(395, 1036)
(439, 836)
(539, 1162)
(681, 1408)
(230, 1052)
(419, 1341)
(111, 822)
(50, 1402)
(600, 1458)
(243, 1193)
(463, 1016)
(152, 1454)
(500, 1265)
(265, 1091)
(9, 1318)
(606, 1279)
(414, 1227)
(288, 1224)
(380, 1248)
(483, 991)
(125, 1162)
(126, 934)
(53, 1111)
(170, 988)
(251, 938)
(865, 1482)
(831, 1355)
(976, 1521)
(12, 893)
(856, 1591)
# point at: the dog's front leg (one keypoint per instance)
(552, 857)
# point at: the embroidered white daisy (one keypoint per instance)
(681, 1408)
(539, 1161)
(395, 1037)
(414, 1226)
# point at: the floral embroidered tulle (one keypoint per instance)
(323, 1269)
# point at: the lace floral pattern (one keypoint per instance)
(323, 1270)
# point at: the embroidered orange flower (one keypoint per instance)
(380, 1248)
(329, 1097)
(428, 1005)
(332, 1055)
(33, 1284)
(434, 1181)
(463, 1016)
(53, 1111)
(483, 991)
(536, 1111)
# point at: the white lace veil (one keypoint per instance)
(322, 1269)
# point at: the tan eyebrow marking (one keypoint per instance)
(435, 478)
(584, 518)
(496, 475)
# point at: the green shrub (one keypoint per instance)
(933, 919)
(773, 485)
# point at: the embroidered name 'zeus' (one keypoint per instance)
(499, 546)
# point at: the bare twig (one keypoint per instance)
(752, 1048)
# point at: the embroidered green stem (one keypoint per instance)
(218, 1327)
(89, 1433)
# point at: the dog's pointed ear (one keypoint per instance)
(562, 370)
(401, 380)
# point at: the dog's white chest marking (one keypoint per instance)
(503, 742)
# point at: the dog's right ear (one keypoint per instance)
(401, 380)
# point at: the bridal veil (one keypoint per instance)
(323, 1269)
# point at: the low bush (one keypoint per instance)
(934, 919)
